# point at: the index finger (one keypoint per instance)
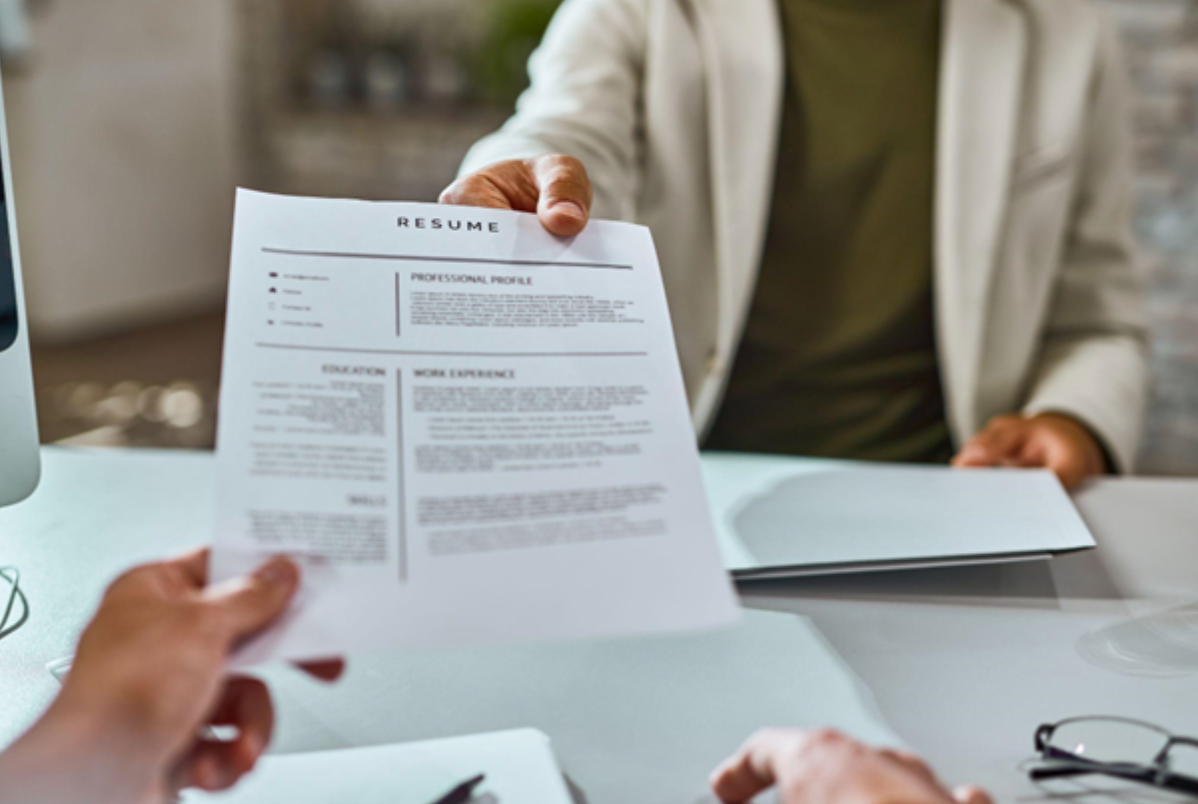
(1001, 440)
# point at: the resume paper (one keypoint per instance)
(466, 430)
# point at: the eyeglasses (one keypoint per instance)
(7, 625)
(1118, 747)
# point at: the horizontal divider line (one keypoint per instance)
(457, 260)
(446, 354)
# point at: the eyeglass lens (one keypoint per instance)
(1106, 740)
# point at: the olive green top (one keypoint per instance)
(839, 355)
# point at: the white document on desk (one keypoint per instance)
(791, 517)
(519, 767)
(468, 430)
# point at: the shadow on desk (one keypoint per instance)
(1030, 584)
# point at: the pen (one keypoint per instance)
(463, 792)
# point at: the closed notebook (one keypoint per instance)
(790, 517)
(519, 765)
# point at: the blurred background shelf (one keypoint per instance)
(377, 98)
(411, 156)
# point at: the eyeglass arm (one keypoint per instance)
(1144, 775)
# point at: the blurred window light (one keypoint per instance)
(83, 399)
(120, 407)
(150, 404)
(183, 406)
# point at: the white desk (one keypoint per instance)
(965, 663)
(962, 664)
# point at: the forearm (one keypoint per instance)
(1102, 382)
(583, 100)
(1094, 362)
(73, 757)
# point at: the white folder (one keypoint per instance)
(782, 517)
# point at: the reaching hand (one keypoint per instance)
(148, 675)
(1048, 441)
(557, 188)
(825, 767)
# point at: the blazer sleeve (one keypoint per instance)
(584, 101)
(1095, 357)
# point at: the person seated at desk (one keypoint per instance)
(151, 670)
(888, 230)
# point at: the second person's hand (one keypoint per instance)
(556, 188)
(825, 766)
(150, 673)
(1048, 441)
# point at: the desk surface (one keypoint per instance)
(962, 664)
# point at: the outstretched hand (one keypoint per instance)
(149, 675)
(557, 188)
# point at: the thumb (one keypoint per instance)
(250, 604)
(565, 194)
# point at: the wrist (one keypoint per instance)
(72, 756)
(1097, 456)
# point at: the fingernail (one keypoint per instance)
(279, 572)
(570, 209)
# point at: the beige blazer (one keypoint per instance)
(674, 106)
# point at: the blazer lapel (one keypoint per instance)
(981, 86)
(741, 42)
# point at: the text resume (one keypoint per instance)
(466, 430)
